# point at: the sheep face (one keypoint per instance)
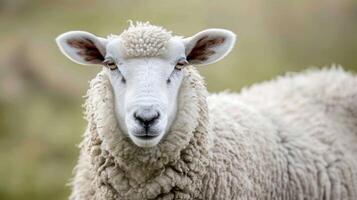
(144, 65)
(146, 90)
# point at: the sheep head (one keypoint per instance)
(144, 65)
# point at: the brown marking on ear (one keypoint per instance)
(86, 49)
(203, 49)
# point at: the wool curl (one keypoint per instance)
(290, 138)
(144, 40)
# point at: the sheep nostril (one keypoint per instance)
(146, 119)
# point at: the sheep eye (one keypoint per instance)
(110, 64)
(181, 63)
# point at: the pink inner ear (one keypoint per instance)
(86, 49)
(203, 49)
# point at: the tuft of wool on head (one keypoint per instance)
(144, 39)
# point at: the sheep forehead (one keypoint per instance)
(144, 40)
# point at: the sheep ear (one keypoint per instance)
(82, 47)
(209, 46)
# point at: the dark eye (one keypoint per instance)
(181, 63)
(110, 64)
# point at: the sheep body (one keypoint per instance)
(291, 138)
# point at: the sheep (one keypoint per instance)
(154, 132)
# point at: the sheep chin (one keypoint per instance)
(147, 142)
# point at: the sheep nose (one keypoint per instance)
(146, 118)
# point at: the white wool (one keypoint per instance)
(143, 39)
(290, 138)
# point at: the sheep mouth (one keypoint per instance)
(146, 137)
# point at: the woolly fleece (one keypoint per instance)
(143, 39)
(294, 137)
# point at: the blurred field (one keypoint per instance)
(41, 91)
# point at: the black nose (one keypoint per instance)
(147, 119)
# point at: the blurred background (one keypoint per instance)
(41, 91)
